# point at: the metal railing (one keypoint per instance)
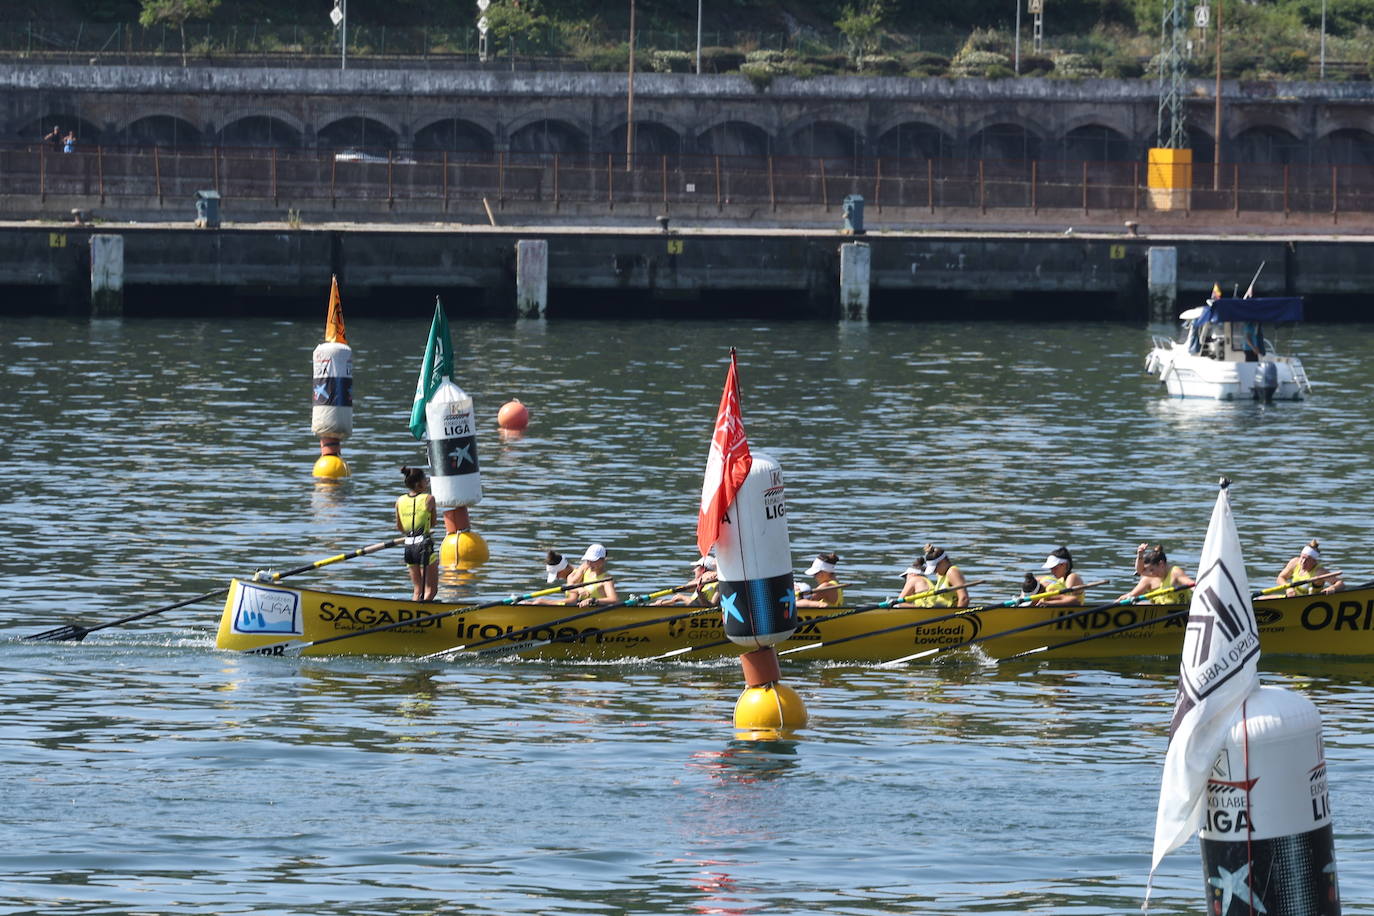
(110, 175)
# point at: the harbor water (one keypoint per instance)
(147, 461)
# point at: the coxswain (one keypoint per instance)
(415, 516)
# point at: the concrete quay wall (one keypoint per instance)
(911, 276)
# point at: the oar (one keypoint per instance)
(296, 646)
(1139, 623)
(890, 602)
(1275, 589)
(632, 601)
(79, 633)
(1120, 602)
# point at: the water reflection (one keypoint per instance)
(752, 756)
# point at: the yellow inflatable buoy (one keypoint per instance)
(770, 707)
(330, 466)
(463, 550)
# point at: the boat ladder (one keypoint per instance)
(1300, 375)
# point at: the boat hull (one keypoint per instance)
(261, 614)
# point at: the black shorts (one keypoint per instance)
(419, 551)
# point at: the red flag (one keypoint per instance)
(727, 464)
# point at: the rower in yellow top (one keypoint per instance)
(1306, 566)
(593, 567)
(1155, 573)
(702, 590)
(1061, 577)
(827, 592)
(556, 566)
(415, 516)
(938, 573)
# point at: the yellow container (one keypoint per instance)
(1170, 178)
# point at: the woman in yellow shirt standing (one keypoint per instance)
(415, 516)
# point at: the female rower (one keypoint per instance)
(1155, 573)
(1061, 578)
(415, 516)
(827, 592)
(556, 566)
(938, 573)
(592, 568)
(1303, 568)
(701, 590)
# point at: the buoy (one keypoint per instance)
(771, 708)
(754, 560)
(513, 415)
(331, 416)
(1267, 842)
(455, 480)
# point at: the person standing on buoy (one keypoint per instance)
(415, 516)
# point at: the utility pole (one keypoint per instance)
(1216, 114)
(630, 100)
(699, 33)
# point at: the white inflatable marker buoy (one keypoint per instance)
(1267, 842)
(331, 416)
(746, 520)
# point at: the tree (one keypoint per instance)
(508, 20)
(156, 12)
(861, 26)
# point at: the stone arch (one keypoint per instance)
(1265, 144)
(916, 140)
(1345, 146)
(1004, 141)
(1201, 143)
(357, 132)
(1096, 143)
(259, 130)
(828, 140)
(455, 135)
(548, 135)
(652, 138)
(159, 130)
(735, 138)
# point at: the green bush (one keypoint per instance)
(761, 75)
(979, 63)
(879, 64)
(1122, 66)
(1036, 65)
(1076, 66)
(721, 60)
(672, 61)
(1000, 72)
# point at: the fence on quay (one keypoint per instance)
(111, 174)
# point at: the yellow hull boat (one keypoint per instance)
(259, 614)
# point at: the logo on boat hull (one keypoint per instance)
(260, 611)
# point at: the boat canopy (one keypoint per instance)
(1271, 308)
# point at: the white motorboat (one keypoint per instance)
(1222, 354)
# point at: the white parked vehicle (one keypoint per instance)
(1222, 354)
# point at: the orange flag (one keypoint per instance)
(1216, 290)
(333, 325)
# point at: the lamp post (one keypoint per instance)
(482, 30)
(630, 98)
(339, 16)
(1016, 54)
(699, 34)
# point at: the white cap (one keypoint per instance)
(554, 569)
(802, 588)
(1052, 561)
(819, 565)
(708, 563)
(911, 571)
(1310, 551)
(594, 553)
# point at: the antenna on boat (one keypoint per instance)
(1250, 291)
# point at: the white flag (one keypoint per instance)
(1216, 674)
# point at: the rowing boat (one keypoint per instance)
(258, 614)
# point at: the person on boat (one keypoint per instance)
(701, 590)
(556, 566)
(1306, 566)
(1061, 577)
(416, 514)
(937, 573)
(827, 592)
(1154, 571)
(592, 567)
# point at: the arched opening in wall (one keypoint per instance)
(1096, 143)
(87, 134)
(651, 139)
(259, 130)
(357, 133)
(548, 136)
(1266, 145)
(1004, 141)
(1200, 142)
(159, 130)
(735, 138)
(828, 140)
(1347, 146)
(915, 141)
(455, 136)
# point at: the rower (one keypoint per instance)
(1155, 573)
(556, 566)
(937, 573)
(1307, 565)
(593, 567)
(701, 589)
(827, 592)
(1061, 578)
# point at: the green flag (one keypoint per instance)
(438, 365)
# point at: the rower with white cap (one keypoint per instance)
(935, 571)
(827, 592)
(556, 566)
(1061, 577)
(701, 589)
(593, 566)
(1305, 566)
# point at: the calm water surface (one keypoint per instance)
(143, 462)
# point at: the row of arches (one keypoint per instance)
(824, 139)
